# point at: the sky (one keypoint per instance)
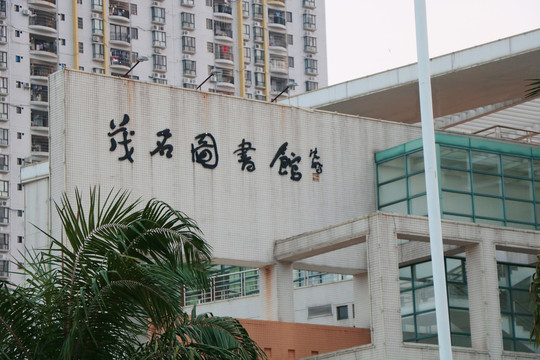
(369, 36)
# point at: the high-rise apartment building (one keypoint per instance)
(254, 49)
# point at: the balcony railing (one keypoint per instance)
(278, 41)
(39, 93)
(222, 55)
(187, 2)
(277, 20)
(310, 4)
(40, 120)
(510, 133)
(223, 9)
(226, 286)
(121, 58)
(117, 11)
(4, 142)
(41, 70)
(223, 32)
(41, 45)
(279, 65)
(120, 36)
(43, 20)
(4, 238)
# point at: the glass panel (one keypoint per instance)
(537, 190)
(488, 207)
(458, 295)
(407, 305)
(490, 222)
(516, 166)
(424, 298)
(405, 278)
(519, 211)
(407, 325)
(523, 326)
(461, 340)
(526, 346)
(506, 323)
(457, 218)
(519, 189)
(455, 158)
(392, 191)
(455, 180)
(502, 271)
(459, 321)
(536, 165)
(454, 270)
(504, 299)
(418, 206)
(430, 340)
(417, 184)
(391, 169)
(508, 344)
(522, 302)
(521, 226)
(486, 162)
(415, 162)
(423, 274)
(487, 184)
(426, 324)
(520, 276)
(456, 203)
(400, 208)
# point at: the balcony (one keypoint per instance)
(225, 82)
(4, 239)
(121, 38)
(276, 4)
(40, 146)
(41, 71)
(258, 13)
(279, 66)
(223, 34)
(43, 4)
(310, 44)
(120, 59)
(3, 9)
(277, 43)
(39, 121)
(43, 49)
(39, 95)
(224, 55)
(4, 163)
(4, 141)
(97, 5)
(43, 24)
(277, 85)
(223, 11)
(189, 3)
(159, 67)
(4, 221)
(119, 11)
(277, 22)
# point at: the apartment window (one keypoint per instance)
(20, 239)
(418, 303)
(3, 33)
(291, 61)
(98, 51)
(4, 137)
(3, 85)
(134, 33)
(63, 42)
(257, 11)
(97, 5)
(18, 58)
(258, 33)
(19, 187)
(209, 3)
(288, 16)
(158, 14)
(187, 2)
(311, 85)
(97, 27)
(516, 307)
(245, 9)
(4, 241)
(80, 23)
(18, 33)
(189, 86)
(310, 44)
(16, 8)
(98, 70)
(247, 77)
(160, 62)
(188, 44)
(20, 213)
(159, 39)
(79, 2)
(4, 268)
(4, 162)
(209, 24)
(62, 17)
(3, 59)
(210, 47)
(133, 9)
(311, 66)
(247, 30)
(188, 20)
(189, 67)
(3, 111)
(289, 39)
(81, 48)
(259, 56)
(342, 312)
(260, 79)
(18, 110)
(247, 54)
(120, 33)
(309, 22)
(20, 161)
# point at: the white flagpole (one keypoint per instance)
(432, 186)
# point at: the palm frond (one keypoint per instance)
(533, 88)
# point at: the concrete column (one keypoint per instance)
(484, 307)
(383, 277)
(276, 286)
(362, 318)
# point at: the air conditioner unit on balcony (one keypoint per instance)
(95, 38)
(309, 56)
(3, 203)
(157, 51)
(187, 57)
(257, 46)
(258, 92)
(26, 85)
(3, 99)
(25, 12)
(256, 23)
(2, 22)
(185, 32)
(155, 3)
(163, 76)
(155, 75)
(3, 257)
(155, 27)
(96, 16)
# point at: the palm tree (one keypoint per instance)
(113, 289)
(534, 88)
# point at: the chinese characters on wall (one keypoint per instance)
(204, 151)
